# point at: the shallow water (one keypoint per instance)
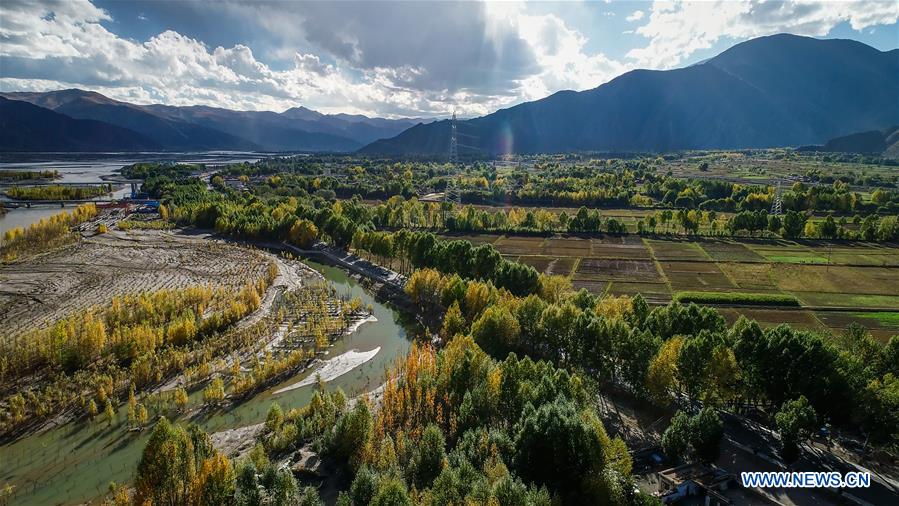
(76, 462)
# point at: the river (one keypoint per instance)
(76, 462)
(91, 167)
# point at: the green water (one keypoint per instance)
(76, 462)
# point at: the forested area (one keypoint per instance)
(254, 217)
(495, 415)
(597, 183)
(677, 353)
(399, 213)
(144, 170)
(521, 355)
(454, 426)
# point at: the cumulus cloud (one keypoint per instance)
(418, 59)
(677, 29)
(560, 52)
(375, 58)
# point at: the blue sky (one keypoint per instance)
(387, 58)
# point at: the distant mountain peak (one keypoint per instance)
(779, 90)
(202, 127)
(303, 113)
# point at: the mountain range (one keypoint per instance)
(781, 90)
(192, 128)
(27, 127)
(873, 142)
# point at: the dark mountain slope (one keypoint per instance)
(27, 127)
(210, 128)
(169, 133)
(772, 91)
(268, 130)
(885, 142)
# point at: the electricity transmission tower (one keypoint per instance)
(777, 205)
(452, 194)
(455, 133)
(454, 142)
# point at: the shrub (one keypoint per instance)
(751, 299)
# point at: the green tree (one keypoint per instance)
(391, 492)
(706, 431)
(796, 421)
(275, 417)
(555, 446)
(828, 228)
(676, 438)
(793, 224)
(453, 322)
(350, 435)
(364, 487)
(285, 491)
(247, 492)
(310, 497)
(167, 468)
(429, 456)
(496, 331)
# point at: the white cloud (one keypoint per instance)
(678, 28)
(471, 57)
(560, 53)
(388, 59)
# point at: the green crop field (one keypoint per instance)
(795, 259)
(885, 318)
(789, 274)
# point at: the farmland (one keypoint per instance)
(835, 283)
(642, 293)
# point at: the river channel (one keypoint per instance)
(75, 462)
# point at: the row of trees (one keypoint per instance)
(58, 192)
(608, 183)
(401, 213)
(48, 233)
(425, 250)
(91, 358)
(794, 225)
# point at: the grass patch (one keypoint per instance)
(748, 299)
(849, 300)
(795, 259)
(884, 318)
